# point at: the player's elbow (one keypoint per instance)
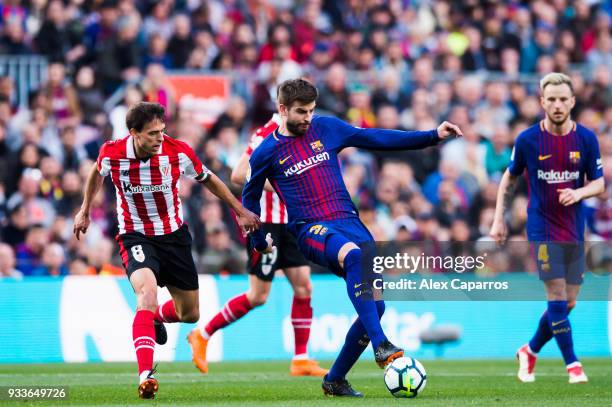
(237, 177)
(601, 186)
(510, 178)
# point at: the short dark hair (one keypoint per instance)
(143, 113)
(299, 90)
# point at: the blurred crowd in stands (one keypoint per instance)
(402, 64)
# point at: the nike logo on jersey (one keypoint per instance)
(558, 322)
(544, 157)
(357, 285)
(281, 162)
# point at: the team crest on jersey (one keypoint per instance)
(574, 157)
(317, 146)
(165, 170)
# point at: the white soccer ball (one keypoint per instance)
(405, 377)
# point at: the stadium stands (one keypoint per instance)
(394, 64)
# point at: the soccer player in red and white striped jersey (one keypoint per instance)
(273, 209)
(145, 168)
(147, 190)
(285, 256)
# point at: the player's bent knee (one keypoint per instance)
(191, 316)
(303, 290)
(344, 252)
(147, 299)
(258, 299)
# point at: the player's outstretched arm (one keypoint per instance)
(247, 220)
(384, 139)
(92, 186)
(499, 232)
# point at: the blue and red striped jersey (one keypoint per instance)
(305, 172)
(554, 163)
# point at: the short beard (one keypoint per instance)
(558, 122)
(294, 128)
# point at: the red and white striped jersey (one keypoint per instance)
(273, 210)
(147, 191)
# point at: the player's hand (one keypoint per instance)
(568, 196)
(447, 129)
(499, 231)
(81, 223)
(270, 247)
(248, 221)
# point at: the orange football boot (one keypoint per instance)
(306, 367)
(198, 349)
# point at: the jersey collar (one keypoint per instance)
(543, 129)
(129, 148)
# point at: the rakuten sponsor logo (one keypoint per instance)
(557, 177)
(306, 164)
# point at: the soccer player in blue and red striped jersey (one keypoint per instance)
(558, 155)
(300, 159)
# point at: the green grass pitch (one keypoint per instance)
(450, 383)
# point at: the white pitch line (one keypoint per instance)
(214, 376)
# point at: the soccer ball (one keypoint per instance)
(405, 377)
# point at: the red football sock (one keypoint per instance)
(301, 318)
(166, 312)
(143, 333)
(232, 311)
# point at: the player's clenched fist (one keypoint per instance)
(568, 196)
(499, 232)
(447, 129)
(81, 223)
